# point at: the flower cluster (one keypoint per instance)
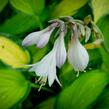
(77, 54)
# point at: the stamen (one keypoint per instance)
(84, 71)
(37, 80)
(90, 68)
(77, 75)
(42, 81)
(43, 84)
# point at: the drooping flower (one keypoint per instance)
(77, 54)
(46, 68)
(39, 38)
(61, 50)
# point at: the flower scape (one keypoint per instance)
(74, 50)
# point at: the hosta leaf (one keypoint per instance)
(37, 5)
(83, 91)
(67, 7)
(48, 104)
(12, 54)
(3, 4)
(29, 6)
(22, 5)
(103, 24)
(13, 88)
(20, 23)
(100, 8)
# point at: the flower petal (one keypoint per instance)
(51, 75)
(88, 33)
(61, 51)
(82, 29)
(78, 56)
(44, 38)
(41, 68)
(52, 68)
(34, 37)
(31, 38)
(58, 81)
(46, 67)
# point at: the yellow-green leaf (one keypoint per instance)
(100, 8)
(29, 6)
(12, 54)
(13, 88)
(103, 24)
(67, 7)
(22, 5)
(19, 25)
(38, 5)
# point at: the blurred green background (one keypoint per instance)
(18, 18)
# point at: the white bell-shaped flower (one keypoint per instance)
(39, 38)
(61, 50)
(47, 67)
(77, 55)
